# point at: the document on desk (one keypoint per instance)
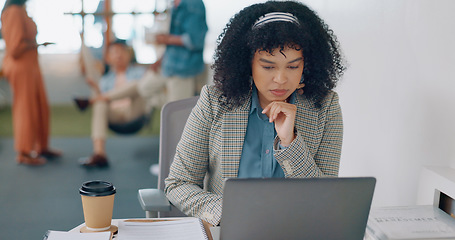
(60, 235)
(169, 229)
(410, 222)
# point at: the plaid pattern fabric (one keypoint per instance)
(211, 146)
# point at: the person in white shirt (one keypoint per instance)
(114, 103)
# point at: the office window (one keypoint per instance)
(61, 22)
(55, 24)
(132, 19)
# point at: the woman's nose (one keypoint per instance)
(280, 77)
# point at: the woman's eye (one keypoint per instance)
(293, 67)
(267, 67)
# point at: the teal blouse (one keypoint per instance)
(257, 160)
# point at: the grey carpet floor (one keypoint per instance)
(36, 199)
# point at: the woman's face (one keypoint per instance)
(118, 56)
(277, 75)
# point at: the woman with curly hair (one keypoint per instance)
(271, 113)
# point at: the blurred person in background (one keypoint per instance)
(21, 68)
(116, 99)
(182, 61)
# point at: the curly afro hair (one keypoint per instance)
(238, 43)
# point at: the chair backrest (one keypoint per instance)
(173, 120)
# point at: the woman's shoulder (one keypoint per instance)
(14, 10)
(211, 92)
(329, 99)
(211, 97)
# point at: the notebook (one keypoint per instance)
(189, 228)
(311, 208)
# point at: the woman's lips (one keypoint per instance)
(279, 92)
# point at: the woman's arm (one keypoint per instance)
(184, 186)
(297, 160)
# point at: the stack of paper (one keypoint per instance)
(410, 222)
(181, 229)
(59, 235)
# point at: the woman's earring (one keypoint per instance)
(300, 87)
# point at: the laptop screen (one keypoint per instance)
(308, 208)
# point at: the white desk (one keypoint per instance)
(215, 231)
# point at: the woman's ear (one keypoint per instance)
(300, 88)
(301, 85)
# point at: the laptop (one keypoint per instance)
(309, 208)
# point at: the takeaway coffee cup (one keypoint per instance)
(98, 204)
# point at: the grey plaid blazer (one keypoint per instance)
(211, 146)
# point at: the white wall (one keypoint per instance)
(397, 95)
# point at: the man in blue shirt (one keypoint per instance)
(175, 73)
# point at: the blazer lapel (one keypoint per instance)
(233, 132)
(305, 122)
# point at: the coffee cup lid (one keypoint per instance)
(97, 188)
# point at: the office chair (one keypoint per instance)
(173, 120)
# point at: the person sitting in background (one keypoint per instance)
(171, 78)
(272, 112)
(113, 102)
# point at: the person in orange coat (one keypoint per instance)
(21, 68)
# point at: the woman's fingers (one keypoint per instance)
(275, 108)
(283, 115)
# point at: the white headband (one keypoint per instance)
(275, 17)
